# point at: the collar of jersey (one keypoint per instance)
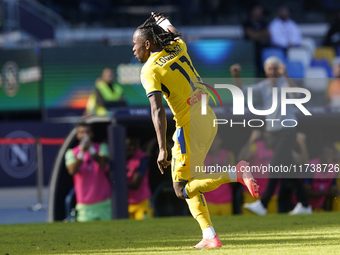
(156, 51)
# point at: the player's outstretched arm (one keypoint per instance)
(165, 23)
(160, 124)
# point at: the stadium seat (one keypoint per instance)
(295, 69)
(325, 53)
(269, 52)
(322, 63)
(309, 44)
(316, 79)
(299, 54)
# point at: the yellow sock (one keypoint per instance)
(200, 185)
(199, 210)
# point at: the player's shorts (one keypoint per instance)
(141, 210)
(191, 145)
(97, 211)
(220, 209)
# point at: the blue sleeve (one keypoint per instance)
(143, 166)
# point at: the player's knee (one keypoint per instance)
(180, 194)
(178, 187)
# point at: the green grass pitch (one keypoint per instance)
(272, 234)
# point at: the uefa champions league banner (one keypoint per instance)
(18, 162)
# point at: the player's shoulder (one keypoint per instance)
(180, 41)
(149, 68)
(148, 73)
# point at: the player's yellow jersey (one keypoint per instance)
(173, 75)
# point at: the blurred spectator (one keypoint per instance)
(282, 138)
(284, 32)
(138, 181)
(333, 34)
(87, 163)
(300, 152)
(258, 152)
(289, 185)
(334, 86)
(323, 182)
(106, 95)
(220, 200)
(255, 29)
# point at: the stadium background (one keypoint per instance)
(67, 74)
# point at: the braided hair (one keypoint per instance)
(156, 34)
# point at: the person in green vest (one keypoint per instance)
(106, 95)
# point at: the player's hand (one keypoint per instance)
(85, 143)
(255, 135)
(162, 161)
(158, 16)
(236, 70)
